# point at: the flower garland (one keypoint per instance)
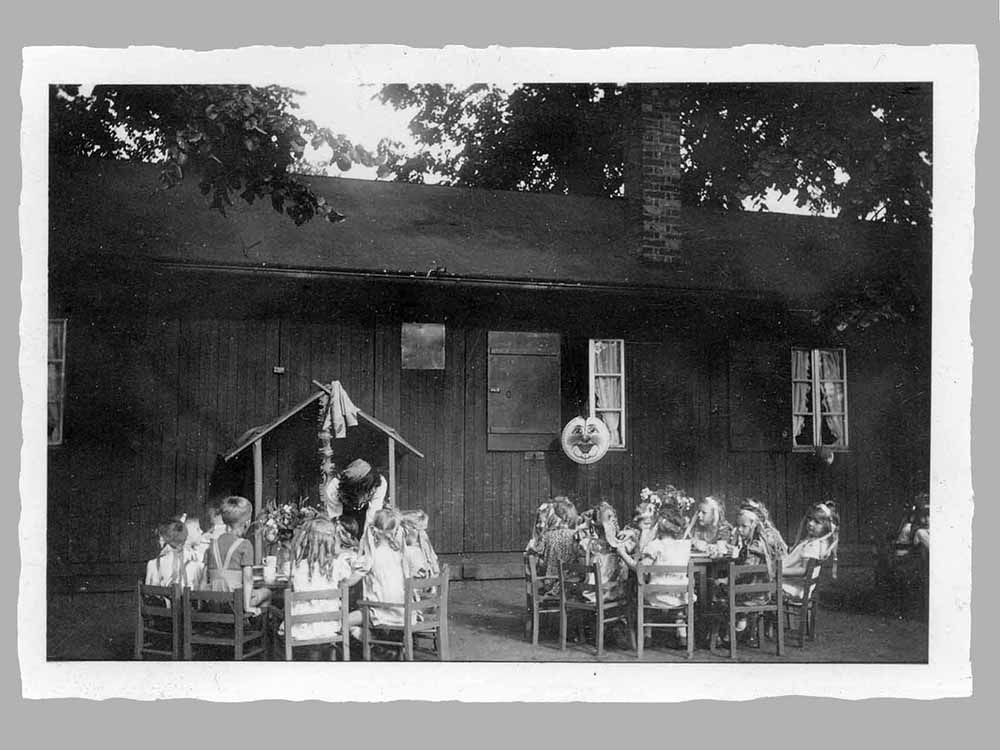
(327, 468)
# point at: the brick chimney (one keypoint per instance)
(652, 173)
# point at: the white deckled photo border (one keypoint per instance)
(954, 71)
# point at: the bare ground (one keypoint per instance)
(486, 624)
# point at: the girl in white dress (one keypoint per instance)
(818, 538)
(668, 548)
(385, 568)
(321, 563)
(167, 568)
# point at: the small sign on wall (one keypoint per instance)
(422, 346)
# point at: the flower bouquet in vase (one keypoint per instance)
(276, 526)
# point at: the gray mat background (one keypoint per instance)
(578, 25)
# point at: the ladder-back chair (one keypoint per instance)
(158, 620)
(333, 604)
(646, 589)
(424, 598)
(578, 583)
(803, 607)
(754, 595)
(539, 599)
(217, 618)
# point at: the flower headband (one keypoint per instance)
(753, 506)
(826, 509)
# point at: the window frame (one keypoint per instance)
(59, 397)
(817, 414)
(592, 375)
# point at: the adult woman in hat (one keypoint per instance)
(357, 493)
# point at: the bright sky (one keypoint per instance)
(351, 109)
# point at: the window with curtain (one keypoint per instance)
(607, 386)
(57, 379)
(819, 398)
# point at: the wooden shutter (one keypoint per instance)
(523, 399)
(759, 382)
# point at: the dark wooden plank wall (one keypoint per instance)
(152, 401)
(431, 417)
(339, 349)
(114, 477)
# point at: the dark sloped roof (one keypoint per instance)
(117, 209)
(255, 433)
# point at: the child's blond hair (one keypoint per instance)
(385, 526)
(317, 542)
(235, 510)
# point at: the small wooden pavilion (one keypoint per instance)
(374, 440)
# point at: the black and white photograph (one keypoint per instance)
(641, 364)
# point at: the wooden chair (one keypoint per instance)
(217, 618)
(158, 618)
(644, 589)
(537, 599)
(755, 611)
(575, 582)
(804, 607)
(429, 597)
(291, 619)
(902, 577)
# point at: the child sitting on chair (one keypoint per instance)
(641, 530)
(195, 549)
(230, 556)
(385, 568)
(599, 541)
(558, 540)
(758, 542)
(542, 515)
(421, 558)
(817, 539)
(320, 562)
(710, 531)
(167, 568)
(668, 548)
(914, 533)
(213, 516)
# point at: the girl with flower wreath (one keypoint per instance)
(708, 527)
(818, 538)
(599, 541)
(757, 542)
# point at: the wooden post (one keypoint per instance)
(258, 493)
(392, 473)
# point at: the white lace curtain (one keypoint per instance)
(831, 393)
(607, 389)
(831, 375)
(801, 391)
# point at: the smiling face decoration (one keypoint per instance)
(585, 439)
